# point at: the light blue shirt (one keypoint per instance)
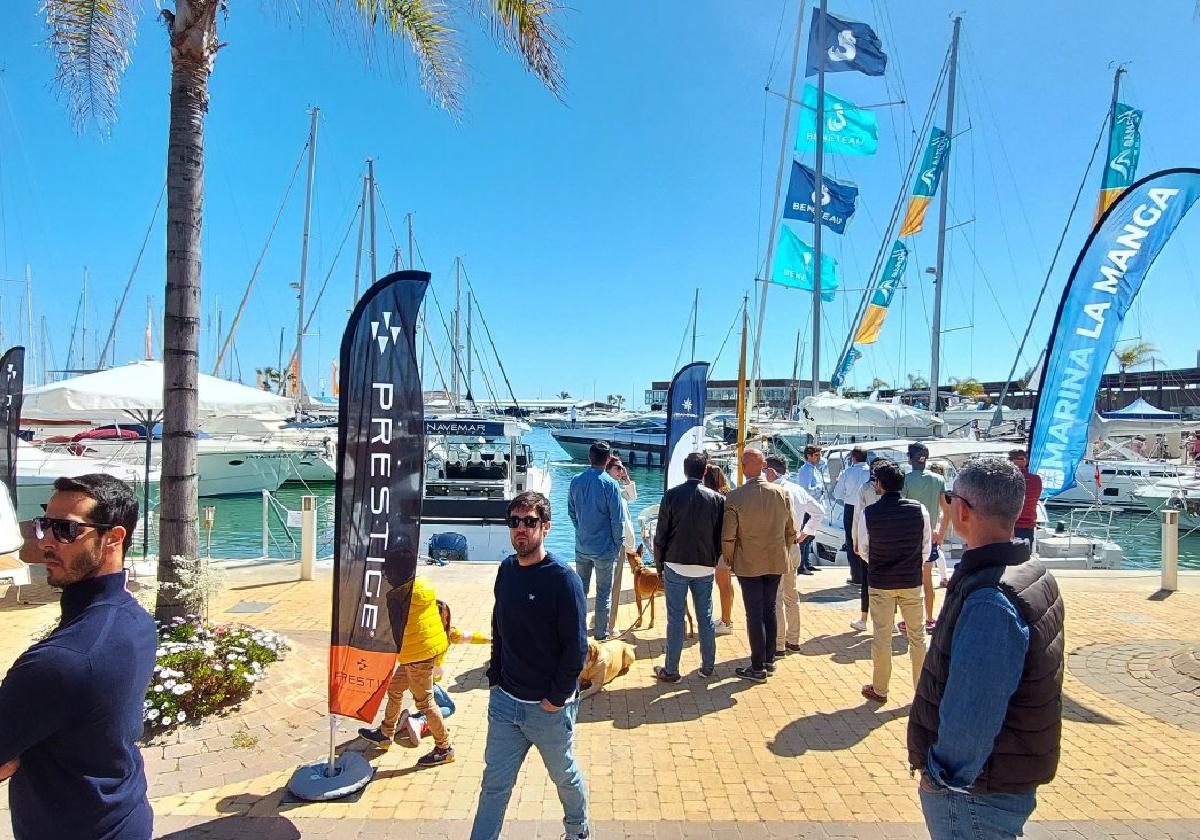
(812, 478)
(594, 505)
(851, 480)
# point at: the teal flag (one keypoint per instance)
(848, 130)
(794, 265)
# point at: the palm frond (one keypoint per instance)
(91, 40)
(424, 24)
(527, 26)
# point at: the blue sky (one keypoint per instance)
(587, 225)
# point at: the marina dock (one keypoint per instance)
(801, 756)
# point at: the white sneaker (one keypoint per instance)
(859, 625)
(721, 628)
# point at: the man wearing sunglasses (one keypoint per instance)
(986, 724)
(539, 642)
(72, 703)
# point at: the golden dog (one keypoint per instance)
(647, 583)
(604, 663)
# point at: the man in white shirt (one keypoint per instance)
(810, 476)
(787, 601)
(853, 476)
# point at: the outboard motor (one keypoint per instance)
(447, 547)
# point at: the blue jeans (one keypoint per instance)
(950, 815)
(604, 565)
(677, 587)
(514, 727)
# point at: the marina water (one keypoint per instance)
(237, 531)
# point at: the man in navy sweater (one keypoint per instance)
(539, 642)
(72, 703)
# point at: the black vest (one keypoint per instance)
(1026, 751)
(895, 542)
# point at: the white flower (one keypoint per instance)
(181, 717)
(146, 704)
(152, 714)
(179, 691)
(169, 684)
(217, 666)
(158, 689)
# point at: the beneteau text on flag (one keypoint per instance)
(381, 455)
(848, 130)
(794, 265)
(837, 199)
(685, 418)
(1102, 286)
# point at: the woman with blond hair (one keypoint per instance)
(714, 479)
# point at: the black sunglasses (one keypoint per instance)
(531, 522)
(66, 531)
(951, 496)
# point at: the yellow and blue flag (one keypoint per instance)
(881, 297)
(1124, 149)
(928, 178)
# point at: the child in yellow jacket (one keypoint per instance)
(425, 643)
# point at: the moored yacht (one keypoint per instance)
(473, 467)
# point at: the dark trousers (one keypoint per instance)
(864, 595)
(762, 624)
(856, 564)
(806, 548)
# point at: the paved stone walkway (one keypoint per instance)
(801, 756)
(1161, 678)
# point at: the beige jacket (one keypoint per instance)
(758, 529)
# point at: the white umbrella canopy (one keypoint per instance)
(137, 388)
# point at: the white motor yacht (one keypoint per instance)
(39, 468)
(473, 467)
(640, 441)
(1180, 493)
(311, 444)
(225, 467)
(1058, 547)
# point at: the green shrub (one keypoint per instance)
(203, 668)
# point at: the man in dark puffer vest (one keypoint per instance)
(986, 724)
(895, 541)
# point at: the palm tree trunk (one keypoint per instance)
(193, 48)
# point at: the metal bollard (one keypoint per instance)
(308, 536)
(266, 524)
(1170, 550)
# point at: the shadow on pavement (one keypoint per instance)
(850, 646)
(476, 678)
(1076, 712)
(691, 698)
(228, 828)
(828, 731)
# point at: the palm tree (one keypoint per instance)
(878, 383)
(1135, 355)
(969, 387)
(91, 41)
(917, 382)
(563, 395)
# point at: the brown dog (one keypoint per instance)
(647, 583)
(604, 663)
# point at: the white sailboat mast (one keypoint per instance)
(943, 205)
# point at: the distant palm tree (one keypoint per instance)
(563, 395)
(1135, 355)
(91, 41)
(969, 387)
(878, 383)
(917, 382)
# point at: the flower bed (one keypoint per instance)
(204, 668)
